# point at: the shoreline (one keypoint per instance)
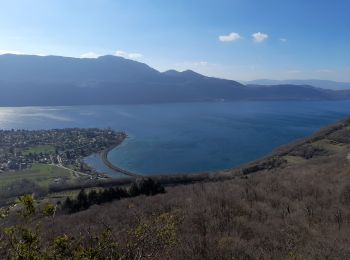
(275, 159)
(111, 166)
(269, 163)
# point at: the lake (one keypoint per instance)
(186, 137)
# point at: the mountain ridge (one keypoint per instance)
(29, 80)
(325, 84)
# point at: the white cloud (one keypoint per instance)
(193, 64)
(89, 55)
(135, 56)
(20, 53)
(293, 71)
(283, 40)
(10, 52)
(200, 63)
(127, 55)
(324, 71)
(259, 37)
(231, 37)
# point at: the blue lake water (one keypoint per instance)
(189, 137)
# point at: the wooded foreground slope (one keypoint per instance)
(297, 209)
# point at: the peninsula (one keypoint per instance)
(64, 148)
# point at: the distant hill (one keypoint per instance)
(326, 84)
(54, 80)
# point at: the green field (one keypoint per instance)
(40, 149)
(294, 159)
(42, 174)
(328, 146)
(62, 195)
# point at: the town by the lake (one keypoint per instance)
(65, 148)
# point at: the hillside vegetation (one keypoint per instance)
(293, 204)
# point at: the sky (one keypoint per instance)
(233, 39)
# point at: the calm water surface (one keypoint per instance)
(191, 137)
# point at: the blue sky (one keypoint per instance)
(236, 39)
